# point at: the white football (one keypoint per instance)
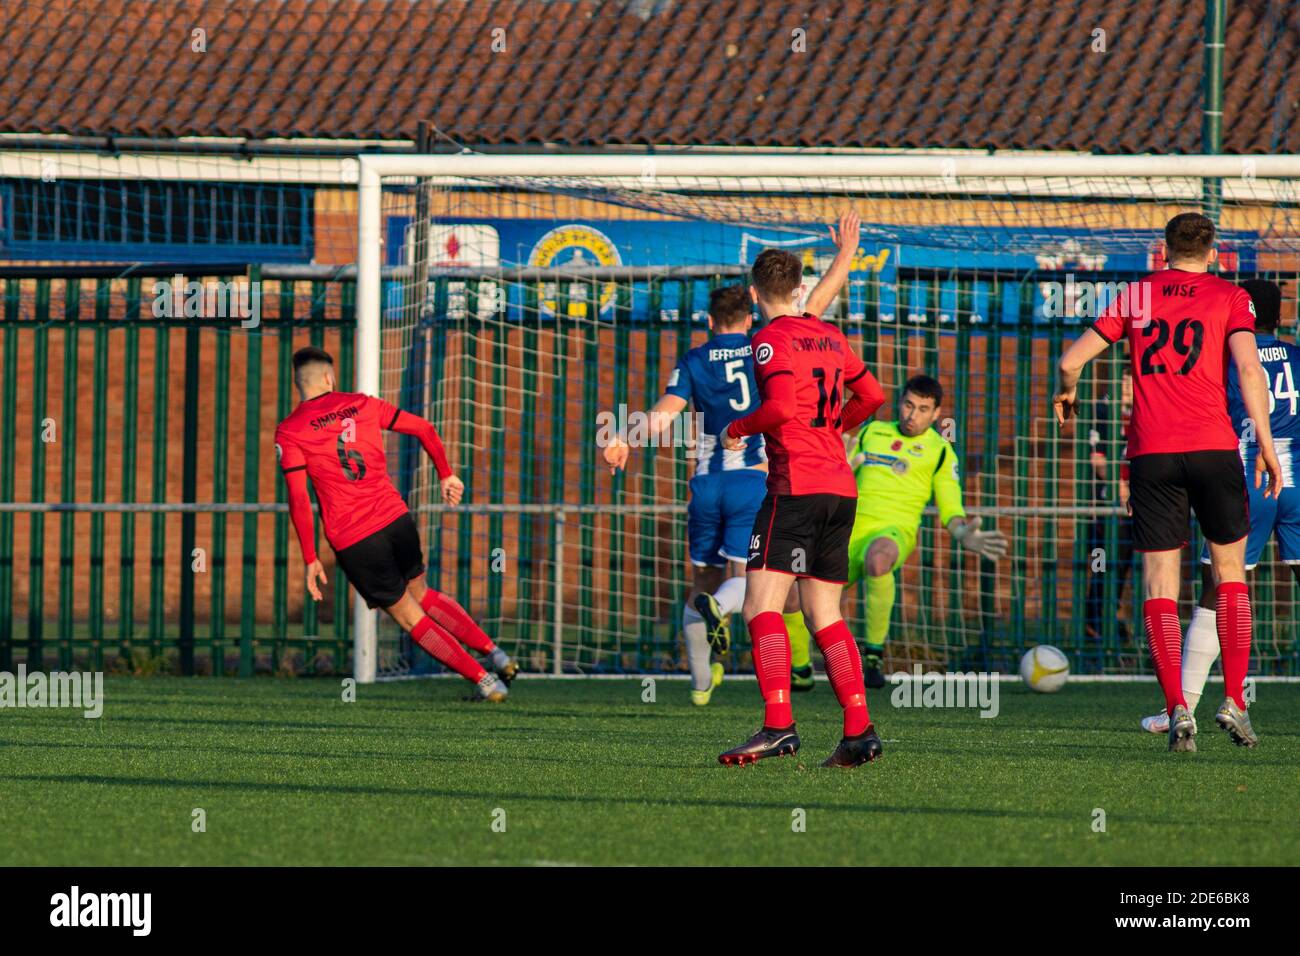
(1044, 669)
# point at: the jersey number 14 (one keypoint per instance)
(823, 399)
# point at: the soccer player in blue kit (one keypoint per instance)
(728, 486)
(1268, 516)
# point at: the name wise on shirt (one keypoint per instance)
(318, 423)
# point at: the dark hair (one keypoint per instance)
(776, 274)
(310, 356)
(1267, 297)
(729, 305)
(1188, 235)
(923, 386)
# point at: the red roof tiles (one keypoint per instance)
(909, 73)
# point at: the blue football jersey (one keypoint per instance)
(1281, 361)
(718, 377)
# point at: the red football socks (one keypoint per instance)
(429, 635)
(844, 666)
(456, 620)
(1165, 639)
(771, 644)
(1232, 606)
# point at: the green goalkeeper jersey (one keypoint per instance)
(900, 474)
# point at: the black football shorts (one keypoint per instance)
(804, 535)
(1165, 488)
(380, 565)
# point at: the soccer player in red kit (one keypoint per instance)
(335, 439)
(1183, 326)
(803, 367)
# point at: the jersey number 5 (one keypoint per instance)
(736, 373)
(346, 457)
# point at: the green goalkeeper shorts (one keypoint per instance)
(866, 530)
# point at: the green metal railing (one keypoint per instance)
(168, 418)
(94, 373)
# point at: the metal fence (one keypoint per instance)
(142, 519)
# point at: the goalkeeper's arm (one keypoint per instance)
(965, 531)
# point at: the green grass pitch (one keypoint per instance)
(587, 773)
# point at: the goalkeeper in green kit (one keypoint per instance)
(899, 467)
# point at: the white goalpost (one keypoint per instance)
(948, 227)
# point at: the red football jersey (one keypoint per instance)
(338, 437)
(1177, 324)
(806, 454)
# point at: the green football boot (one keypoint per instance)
(802, 679)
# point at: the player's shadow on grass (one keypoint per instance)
(470, 756)
(856, 806)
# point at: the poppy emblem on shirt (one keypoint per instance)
(897, 445)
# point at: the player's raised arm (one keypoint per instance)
(846, 241)
(1082, 350)
(662, 414)
(405, 423)
(1254, 395)
(867, 393)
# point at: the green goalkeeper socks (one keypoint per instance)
(880, 605)
(799, 639)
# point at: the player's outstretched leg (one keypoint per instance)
(456, 621)
(1233, 600)
(444, 648)
(881, 558)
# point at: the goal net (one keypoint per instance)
(521, 303)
